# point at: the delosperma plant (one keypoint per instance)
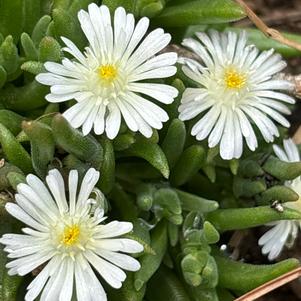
(137, 137)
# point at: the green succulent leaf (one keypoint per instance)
(8, 9)
(14, 151)
(150, 263)
(150, 152)
(243, 218)
(42, 145)
(200, 12)
(243, 277)
(166, 286)
(189, 163)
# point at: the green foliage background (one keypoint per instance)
(179, 194)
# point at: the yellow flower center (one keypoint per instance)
(234, 80)
(107, 72)
(70, 235)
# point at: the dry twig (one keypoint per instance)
(295, 80)
(269, 32)
(297, 136)
(270, 286)
(276, 18)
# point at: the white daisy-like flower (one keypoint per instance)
(67, 240)
(235, 91)
(283, 233)
(108, 79)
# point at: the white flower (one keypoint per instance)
(235, 91)
(67, 240)
(283, 233)
(106, 80)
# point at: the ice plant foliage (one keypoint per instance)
(284, 232)
(235, 90)
(67, 239)
(119, 87)
(109, 80)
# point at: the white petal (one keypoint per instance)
(54, 285)
(238, 142)
(99, 122)
(33, 210)
(38, 194)
(266, 127)
(78, 114)
(60, 97)
(113, 121)
(72, 49)
(112, 274)
(56, 185)
(72, 184)
(161, 72)
(21, 215)
(136, 37)
(121, 260)
(162, 93)
(280, 153)
(88, 286)
(113, 229)
(291, 150)
(89, 181)
(150, 112)
(276, 95)
(67, 287)
(154, 42)
(82, 286)
(88, 123)
(199, 49)
(61, 70)
(227, 141)
(122, 244)
(126, 114)
(26, 264)
(273, 114)
(140, 121)
(218, 129)
(247, 130)
(161, 60)
(203, 127)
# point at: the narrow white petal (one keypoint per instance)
(113, 121)
(112, 274)
(72, 49)
(21, 215)
(291, 150)
(121, 244)
(56, 185)
(37, 193)
(227, 141)
(162, 93)
(136, 37)
(238, 141)
(99, 122)
(67, 287)
(82, 286)
(36, 286)
(89, 181)
(280, 153)
(73, 182)
(114, 229)
(121, 260)
(216, 134)
(54, 285)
